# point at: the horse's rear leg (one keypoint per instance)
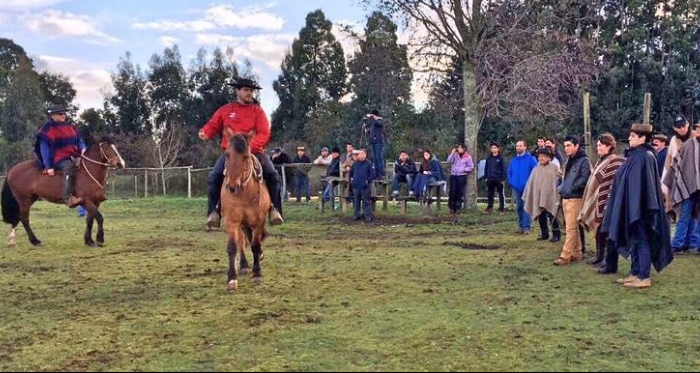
(244, 267)
(12, 237)
(24, 218)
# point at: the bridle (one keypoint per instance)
(251, 168)
(107, 165)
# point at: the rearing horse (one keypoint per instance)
(245, 204)
(25, 184)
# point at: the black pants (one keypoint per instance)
(362, 196)
(216, 180)
(457, 190)
(496, 186)
(544, 219)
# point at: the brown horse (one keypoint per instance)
(25, 184)
(245, 204)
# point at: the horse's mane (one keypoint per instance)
(94, 140)
(240, 143)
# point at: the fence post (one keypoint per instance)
(284, 183)
(136, 186)
(145, 183)
(189, 182)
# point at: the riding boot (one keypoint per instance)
(600, 240)
(272, 182)
(68, 197)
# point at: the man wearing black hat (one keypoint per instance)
(376, 141)
(279, 158)
(634, 217)
(56, 142)
(242, 115)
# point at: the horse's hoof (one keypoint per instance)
(37, 244)
(90, 244)
(257, 280)
(100, 244)
(232, 286)
(244, 271)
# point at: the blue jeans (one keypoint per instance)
(214, 181)
(640, 251)
(687, 230)
(301, 184)
(378, 157)
(523, 217)
(327, 192)
(398, 179)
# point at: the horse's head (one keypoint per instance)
(239, 165)
(109, 153)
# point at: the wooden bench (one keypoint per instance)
(379, 190)
(435, 193)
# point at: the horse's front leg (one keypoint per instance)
(100, 231)
(232, 283)
(244, 267)
(256, 246)
(89, 219)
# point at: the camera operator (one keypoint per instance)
(376, 140)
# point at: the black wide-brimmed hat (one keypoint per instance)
(244, 82)
(54, 109)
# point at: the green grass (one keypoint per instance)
(405, 293)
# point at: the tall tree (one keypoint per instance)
(23, 108)
(57, 89)
(10, 56)
(380, 75)
(313, 73)
(167, 90)
(129, 99)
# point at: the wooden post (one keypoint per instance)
(136, 186)
(647, 108)
(145, 183)
(189, 182)
(284, 184)
(587, 123)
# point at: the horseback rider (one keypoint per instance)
(243, 115)
(57, 142)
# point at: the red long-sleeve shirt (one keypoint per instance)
(240, 118)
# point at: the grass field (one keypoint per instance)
(404, 293)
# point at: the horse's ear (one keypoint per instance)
(250, 136)
(228, 133)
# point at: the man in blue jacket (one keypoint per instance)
(361, 175)
(519, 172)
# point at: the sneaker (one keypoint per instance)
(214, 220)
(627, 279)
(395, 193)
(275, 217)
(638, 284)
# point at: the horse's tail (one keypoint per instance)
(10, 206)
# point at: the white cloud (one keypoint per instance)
(168, 41)
(87, 79)
(267, 48)
(54, 23)
(218, 17)
(27, 4)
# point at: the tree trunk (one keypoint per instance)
(472, 121)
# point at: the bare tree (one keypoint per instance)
(471, 29)
(165, 145)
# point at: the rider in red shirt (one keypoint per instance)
(242, 115)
